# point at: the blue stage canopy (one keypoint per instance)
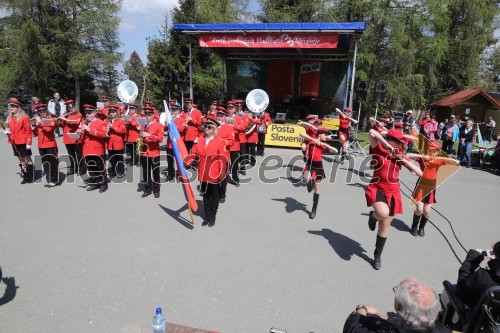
(340, 27)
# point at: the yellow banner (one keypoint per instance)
(284, 135)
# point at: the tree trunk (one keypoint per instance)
(77, 92)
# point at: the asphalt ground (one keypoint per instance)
(78, 261)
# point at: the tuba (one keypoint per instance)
(127, 91)
(257, 101)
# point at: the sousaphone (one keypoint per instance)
(127, 91)
(257, 102)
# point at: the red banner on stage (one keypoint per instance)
(309, 78)
(272, 40)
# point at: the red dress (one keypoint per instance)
(344, 128)
(425, 190)
(384, 186)
(213, 159)
(315, 161)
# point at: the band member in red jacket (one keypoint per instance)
(252, 137)
(193, 120)
(70, 122)
(156, 113)
(241, 127)
(234, 151)
(93, 132)
(19, 136)
(132, 134)
(179, 123)
(383, 193)
(345, 120)
(265, 120)
(225, 132)
(211, 151)
(47, 145)
(424, 194)
(152, 134)
(103, 113)
(314, 166)
(115, 144)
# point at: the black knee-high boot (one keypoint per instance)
(414, 225)
(23, 172)
(315, 205)
(423, 222)
(379, 247)
(29, 175)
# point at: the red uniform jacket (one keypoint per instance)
(20, 131)
(153, 142)
(226, 132)
(45, 133)
(254, 136)
(116, 134)
(93, 140)
(213, 160)
(265, 120)
(133, 132)
(241, 126)
(192, 132)
(70, 126)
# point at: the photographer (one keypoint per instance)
(472, 282)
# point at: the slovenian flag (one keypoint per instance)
(180, 153)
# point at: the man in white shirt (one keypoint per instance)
(56, 108)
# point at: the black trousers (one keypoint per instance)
(260, 144)
(223, 183)
(96, 169)
(116, 162)
(50, 164)
(151, 173)
(131, 148)
(170, 161)
(210, 199)
(235, 164)
(251, 153)
(189, 145)
(447, 146)
(75, 156)
(243, 156)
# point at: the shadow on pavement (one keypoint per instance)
(344, 246)
(176, 215)
(400, 225)
(10, 290)
(292, 205)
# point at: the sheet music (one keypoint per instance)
(142, 121)
(126, 117)
(74, 135)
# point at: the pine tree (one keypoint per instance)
(135, 70)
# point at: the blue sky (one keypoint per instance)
(141, 19)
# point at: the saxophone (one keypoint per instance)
(138, 147)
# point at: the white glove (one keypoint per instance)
(28, 147)
(7, 132)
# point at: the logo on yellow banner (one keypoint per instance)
(284, 135)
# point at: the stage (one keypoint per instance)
(88, 262)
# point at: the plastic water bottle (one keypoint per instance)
(158, 322)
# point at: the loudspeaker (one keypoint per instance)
(168, 77)
(362, 90)
(181, 77)
(380, 90)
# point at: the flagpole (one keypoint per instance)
(190, 213)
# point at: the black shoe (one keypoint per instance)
(421, 232)
(243, 172)
(169, 178)
(377, 262)
(222, 199)
(103, 188)
(205, 222)
(372, 222)
(93, 187)
(312, 215)
(211, 222)
(156, 194)
(146, 194)
(70, 172)
(414, 231)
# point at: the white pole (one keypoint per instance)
(190, 73)
(353, 75)
(376, 110)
